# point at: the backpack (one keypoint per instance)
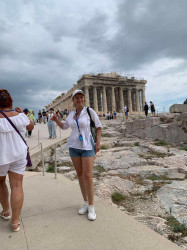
(92, 127)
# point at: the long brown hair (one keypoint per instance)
(5, 99)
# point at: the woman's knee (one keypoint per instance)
(80, 174)
(87, 176)
(16, 185)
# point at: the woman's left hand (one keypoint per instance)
(19, 110)
(97, 147)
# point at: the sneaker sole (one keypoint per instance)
(91, 219)
(83, 213)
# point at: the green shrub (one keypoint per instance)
(137, 143)
(154, 177)
(176, 226)
(99, 168)
(183, 148)
(106, 135)
(161, 143)
(117, 197)
(51, 168)
(104, 146)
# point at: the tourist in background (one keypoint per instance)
(108, 115)
(152, 107)
(126, 112)
(82, 149)
(12, 158)
(114, 114)
(51, 124)
(32, 118)
(44, 113)
(39, 116)
(146, 108)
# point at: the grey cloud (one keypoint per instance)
(147, 30)
(92, 32)
(160, 31)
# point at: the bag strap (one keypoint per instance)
(14, 127)
(92, 123)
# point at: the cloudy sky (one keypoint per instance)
(46, 45)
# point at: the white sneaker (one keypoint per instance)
(83, 209)
(91, 213)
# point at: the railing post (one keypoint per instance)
(55, 163)
(42, 156)
(38, 138)
(60, 133)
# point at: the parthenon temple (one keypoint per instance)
(105, 92)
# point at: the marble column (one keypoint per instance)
(143, 97)
(86, 92)
(113, 100)
(95, 99)
(137, 101)
(121, 99)
(104, 101)
(130, 101)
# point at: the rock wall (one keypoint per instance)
(170, 128)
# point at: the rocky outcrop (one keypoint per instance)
(174, 198)
(178, 108)
(170, 128)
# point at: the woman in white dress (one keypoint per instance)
(82, 149)
(12, 158)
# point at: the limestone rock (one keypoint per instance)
(154, 128)
(156, 223)
(64, 168)
(71, 175)
(174, 198)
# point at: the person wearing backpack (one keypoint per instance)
(82, 147)
(146, 108)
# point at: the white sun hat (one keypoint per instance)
(77, 91)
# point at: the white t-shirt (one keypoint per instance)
(50, 115)
(84, 125)
(12, 147)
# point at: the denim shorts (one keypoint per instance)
(73, 152)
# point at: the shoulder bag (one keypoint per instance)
(93, 128)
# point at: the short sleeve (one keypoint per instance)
(95, 118)
(65, 124)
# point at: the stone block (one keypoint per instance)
(178, 108)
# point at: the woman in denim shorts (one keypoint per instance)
(82, 148)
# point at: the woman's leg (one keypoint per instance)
(50, 129)
(87, 163)
(53, 129)
(4, 195)
(16, 196)
(77, 163)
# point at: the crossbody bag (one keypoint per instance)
(93, 128)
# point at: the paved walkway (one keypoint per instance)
(49, 220)
(40, 135)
